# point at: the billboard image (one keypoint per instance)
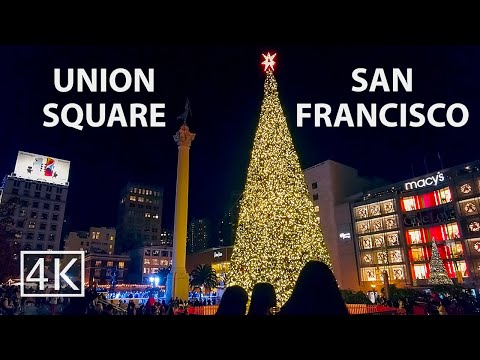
(42, 168)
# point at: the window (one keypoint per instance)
(121, 264)
(369, 274)
(37, 194)
(58, 197)
(146, 261)
(147, 252)
(46, 206)
(51, 237)
(155, 216)
(148, 207)
(140, 206)
(131, 212)
(16, 183)
(164, 262)
(43, 226)
(314, 185)
(29, 236)
(39, 247)
(154, 262)
(31, 224)
(56, 207)
(53, 227)
(88, 243)
(98, 263)
(417, 236)
(28, 185)
(55, 217)
(41, 237)
(112, 237)
(147, 215)
(49, 247)
(38, 187)
(109, 263)
(132, 205)
(420, 271)
(317, 208)
(164, 253)
(26, 192)
(35, 204)
(315, 197)
(98, 273)
(18, 235)
(15, 191)
(156, 253)
(133, 198)
(146, 270)
(33, 214)
(49, 188)
(44, 216)
(135, 190)
(47, 196)
(81, 243)
(22, 212)
(59, 190)
(20, 223)
(141, 199)
(95, 235)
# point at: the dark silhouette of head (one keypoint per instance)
(263, 299)
(234, 301)
(315, 293)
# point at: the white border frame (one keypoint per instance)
(52, 252)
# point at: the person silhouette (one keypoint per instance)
(315, 293)
(233, 302)
(263, 299)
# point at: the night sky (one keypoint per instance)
(225, 88)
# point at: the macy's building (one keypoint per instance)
(394, 227)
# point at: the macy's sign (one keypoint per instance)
(431, 180)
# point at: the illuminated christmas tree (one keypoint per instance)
(438, 273)
(278, 231)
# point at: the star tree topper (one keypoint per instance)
(269, 63)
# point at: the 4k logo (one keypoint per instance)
(52, 273)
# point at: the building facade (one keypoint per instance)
(149, 262)
(139, 217)
(41, 184)
(218, 258)
(227, 226)
(394, 228)
(330, 184)
(104, 269)
(198, 235)
(99, 240)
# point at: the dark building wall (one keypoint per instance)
(139, 217)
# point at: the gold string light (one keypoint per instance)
(278, 231)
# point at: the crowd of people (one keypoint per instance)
(315, 292)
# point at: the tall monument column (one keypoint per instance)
(177, 279)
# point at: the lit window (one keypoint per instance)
(141, 199)
(146, 270)
(155, 262)
(98, 263)
(110, 263)
(31, 225)
(111, 237)
(133, 198)
(134, 190)
(110, 246)
(121, 264)
(155, 216)
(318, 219)
(317, 208)
(147, 215)
(146, 261)
(164, 262)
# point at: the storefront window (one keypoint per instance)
(387, 207)
(368, 274)
(395, 256)
(374, 209)
(416, 236)
(434, 198)
(391, 222)
(379, 241)
(469, 207)
(365, 242)
(421, 271)
(361, 212)
(363, 227)
(418, 254)
(382, 257)
(392, 239)
(398, 273)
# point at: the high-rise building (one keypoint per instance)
(41, 184)
(98, 240)
(198, 235)
(139, 217)
(330, 184)
(166, 238)
(150, 265)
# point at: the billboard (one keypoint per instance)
(42, 168)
